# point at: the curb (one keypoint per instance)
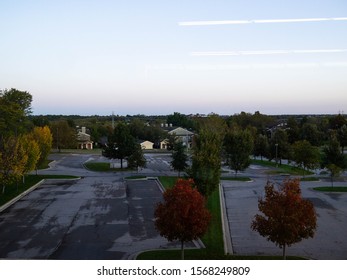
(228, 246)
(14, 200)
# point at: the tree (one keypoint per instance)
(179, 157)
(12, 160)
(279, 145)
(22, 98)
(261, 146)
(121, 145)
(333, 158)
(44, 139)
(64, 136)
(15, 106)
(311, 133)
(137, 159)
(287, 217)
(342, 137)
(238, 146)
(182, 215)
(178, 119)
(306, 155)
(206, 158)
(206, 161)
(293, 130)
(32, 150)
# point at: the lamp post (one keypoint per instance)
(276, 145)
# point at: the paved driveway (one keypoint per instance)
(91, 218)
(330, 239)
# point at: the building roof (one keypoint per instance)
(179, 131)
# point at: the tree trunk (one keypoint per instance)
(121, 163)
(284, 251)
(182, 250)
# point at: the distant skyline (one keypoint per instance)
(157, 57)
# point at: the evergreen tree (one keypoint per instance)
(179, 157)
(121, 144)
(137, 159)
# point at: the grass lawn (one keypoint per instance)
(331, 189)
(282, 169)
(12, 190)
(242, 179)
(103, 167)
(310, 179)
(135, 177)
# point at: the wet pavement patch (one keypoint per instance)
(85, 219)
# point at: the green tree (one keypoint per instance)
(206, 158)
(179, 157)
(261, 146)
(15, 106)
(279, 145)
(121, 144)
(311, 133)
(64, 136)
(178, 119)
(22, 98)
(342, 137)
(238, 146)
(293, 130)
(137, 159)
(333, 159)
(306, 155)
(287, 217)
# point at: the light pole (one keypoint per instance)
(276, 145)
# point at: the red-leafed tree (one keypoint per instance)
(288, 218)
(183, 214)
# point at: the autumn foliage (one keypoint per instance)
(287, 217)
(182, 215)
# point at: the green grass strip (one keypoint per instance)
(103, 167)
(242, 179)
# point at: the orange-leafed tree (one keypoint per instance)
(183, 214)
(288, 218)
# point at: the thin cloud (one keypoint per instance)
(233, 22)
(265, 52)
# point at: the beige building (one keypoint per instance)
(146, 145)
(183, 135)
(83, 140)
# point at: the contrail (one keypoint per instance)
(230, 22)
(266, 52)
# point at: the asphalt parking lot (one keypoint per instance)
(329, 242)
(91, 218)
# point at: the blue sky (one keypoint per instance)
(138, 57)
